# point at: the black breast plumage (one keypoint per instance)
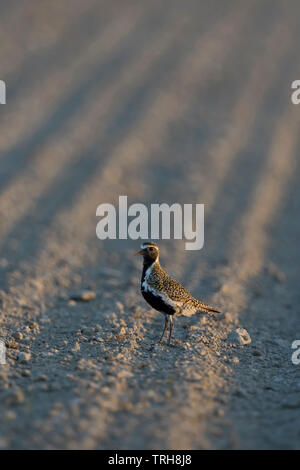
(155, 301)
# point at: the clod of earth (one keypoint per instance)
(239, 336)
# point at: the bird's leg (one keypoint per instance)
(166, 325)
(171, 328)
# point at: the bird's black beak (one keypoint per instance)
(139, 253)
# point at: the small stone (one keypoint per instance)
(3, 263)
(99, 339)
(24, 358)
(120, 306)
(278, 275)
(192, 327)
(144, 364)
(256, 353)
(235, 360)
(124, 374)
(239, 392)
(156, 347)
(152, 395)
(239, 336)
(10, 415)
(42, 378)
(84, 296)
(12, 345)
(126, 405)
(227, 317)
(17, 335)
(16, 397)
(76, 347)
(26, 373)
(82, 339)
(122, 331)
(226, 288)
(114, 358)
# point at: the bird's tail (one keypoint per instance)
(206, 308)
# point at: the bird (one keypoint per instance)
(163, 293)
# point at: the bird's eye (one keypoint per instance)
(151, 249)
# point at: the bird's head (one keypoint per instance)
(150, 252)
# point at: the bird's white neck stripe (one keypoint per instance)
(148, 270)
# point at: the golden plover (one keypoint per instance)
(165, 294)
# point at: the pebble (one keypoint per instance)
(235, 360)
(278, 275)
(126, 405)
(17, 335)
(239, 392)
(24, 358)
(256, 353)
(227, 317)
(114, 358)
(76, 347)
(3, 263)
(84, 296)
(16, 397)
(120, 306)
(203, 321)
(239, 336)
(220, 412)
(42, 378)
(12, 345)
(226, 288)
(152, 394)
(124, 374)
(82, 338)
(10, 415)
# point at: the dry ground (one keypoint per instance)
(164, 102)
